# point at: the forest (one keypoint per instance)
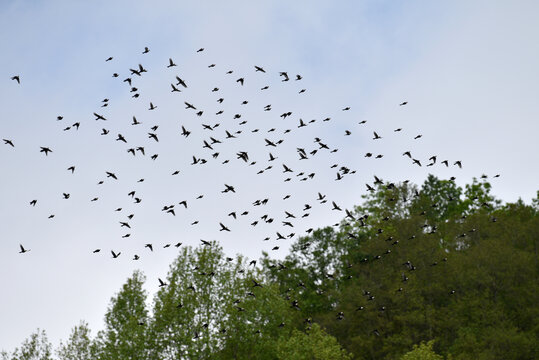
(431, 271)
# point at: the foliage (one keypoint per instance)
(126, 319)
(36, 347)
(442, 270)
(313, 344)
(422, 352)
(78, 346)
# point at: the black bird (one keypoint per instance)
(170, 63)
(258, 68)
(16, 78)
(335, 206)
(223, 227)
(146, 50)
(23, 250)
(99, 117)
(240, 80)
(111, 175)
(114, 255)
(161, 283)
(286, 169)
(181, 82)
(185, 132)
(8, 142)
(403, 103)
(189, 106)
(228, 188)
(376, 136)
(109, 59)
(121, 138)
(45, 150)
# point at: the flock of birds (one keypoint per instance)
(215, 134)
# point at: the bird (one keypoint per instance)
(161, 283)
(17, 78)
(8, 142)
(403, 103)
(181, 82)
(146, 50)
(376, 136)
(23, 250)
(99, 117)
(335, 206)
(170, 63)
(45, 150)
(115, 255)
(185, 132)
(189, 106)
(223, 227)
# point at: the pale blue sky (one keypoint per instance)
(467, 69)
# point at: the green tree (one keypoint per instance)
(126, 320)
(422, 351)
(79, 346)
(36, 347)
(213, 308)
(314, 344)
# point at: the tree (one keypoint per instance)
(126, 320)
(79, 345)
(218, 308)
(422, 352)
(36, 347)
(314, 344)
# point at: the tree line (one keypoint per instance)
(414, 272)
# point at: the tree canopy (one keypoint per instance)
(427, 272)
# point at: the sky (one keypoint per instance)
(467, 70)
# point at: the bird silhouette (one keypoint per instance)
(45, 150)
(8, 142)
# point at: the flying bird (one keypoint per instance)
(8, 142)
(45, 150)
